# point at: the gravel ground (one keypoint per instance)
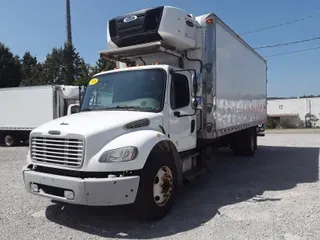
(293, 130)
(274, 195)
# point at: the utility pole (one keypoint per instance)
(69, 44)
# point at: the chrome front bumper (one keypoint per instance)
(82, 191)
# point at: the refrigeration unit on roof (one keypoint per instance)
(168, 25)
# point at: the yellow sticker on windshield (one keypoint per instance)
(93, 81)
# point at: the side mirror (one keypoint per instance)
(195, 84)
(73, 108)
(82, 91)
(195, 103)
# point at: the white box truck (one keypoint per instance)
(22, 109)
(187, 85)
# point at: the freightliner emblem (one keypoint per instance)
(130, 19)
(54, 132)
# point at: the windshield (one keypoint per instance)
(141, 90)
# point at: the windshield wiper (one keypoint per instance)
(129, 108)
(135, 108)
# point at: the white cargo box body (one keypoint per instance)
(241, 82)
(25, 108)
(234, 92)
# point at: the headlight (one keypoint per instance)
(119, 155)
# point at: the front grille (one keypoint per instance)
(57, 151)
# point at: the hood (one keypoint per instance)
(95, 122)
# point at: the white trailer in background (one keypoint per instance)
(189, 85)
(23, 109)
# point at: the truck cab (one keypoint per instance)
(127, 116)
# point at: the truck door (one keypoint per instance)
(181, 113)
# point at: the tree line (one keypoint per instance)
(28, 71)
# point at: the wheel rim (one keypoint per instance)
(8, 140)
(162, 186)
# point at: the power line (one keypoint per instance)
(287, 53)
(281, 24)
(289, 43)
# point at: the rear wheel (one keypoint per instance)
(250, 146)
(256, 141)
(9, 140)
(157, 189)
(245, 143)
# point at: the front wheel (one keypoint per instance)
(157, 189)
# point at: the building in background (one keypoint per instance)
(298, 112)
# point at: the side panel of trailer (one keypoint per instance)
(241, 83)
(25, 108)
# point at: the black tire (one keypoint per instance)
(255, 141)
(245, 143)
(9, 140)
(237, 151)
(145, 205)
(249, 144)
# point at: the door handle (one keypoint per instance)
(193, 125)
(177, 114)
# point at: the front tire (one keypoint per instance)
(158, 187)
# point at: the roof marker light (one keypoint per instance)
(209, 20)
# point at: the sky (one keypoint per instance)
(39, 25)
